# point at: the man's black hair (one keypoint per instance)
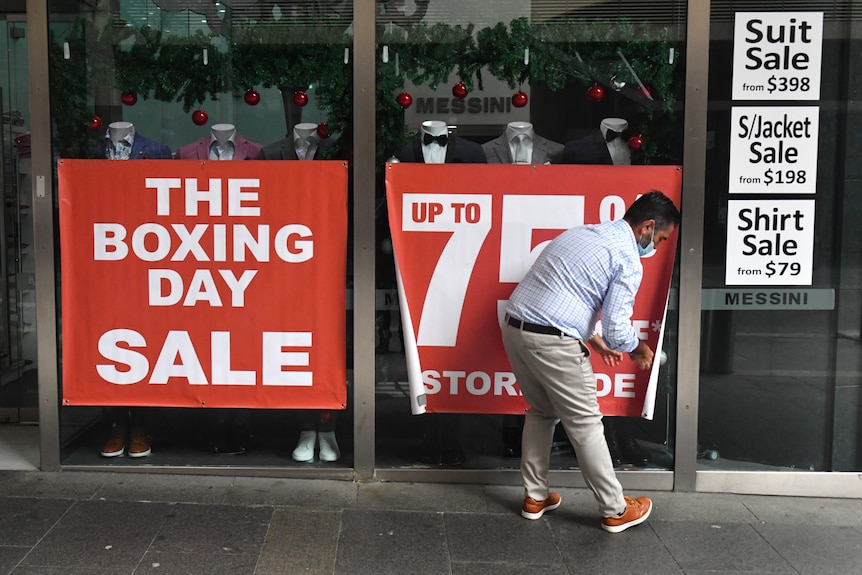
(653, 205)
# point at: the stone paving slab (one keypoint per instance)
(100, 523)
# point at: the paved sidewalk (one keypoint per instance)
(99, 523)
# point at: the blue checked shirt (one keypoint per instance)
(584, 272)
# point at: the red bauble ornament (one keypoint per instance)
(200, 117)
(646, 91)
(300, 98)
(251, 97)
(596, 93)
(323, 130)
(95, 123)
(636, 142)
(404, 99)
(519, 99)
(129, 98)
(459, 90)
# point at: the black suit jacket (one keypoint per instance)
(285, 149)
(590, 149)
(458, 151)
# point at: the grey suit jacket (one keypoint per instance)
(544, 150)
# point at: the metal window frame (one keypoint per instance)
(685, 476)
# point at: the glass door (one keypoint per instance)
(18, 381)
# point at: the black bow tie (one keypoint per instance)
(442, 139)
(611, 135)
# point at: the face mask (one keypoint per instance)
(645, 250)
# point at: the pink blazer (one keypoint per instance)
(200, 150)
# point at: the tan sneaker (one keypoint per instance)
(637, 511)
(139, 443)
(534, 509)
(116, 444)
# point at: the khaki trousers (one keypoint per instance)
(557, 380)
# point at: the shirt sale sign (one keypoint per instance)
(464, 236)
(216, 284)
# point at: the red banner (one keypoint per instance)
(190, 284)
(465, 235)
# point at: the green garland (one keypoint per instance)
(563, 53)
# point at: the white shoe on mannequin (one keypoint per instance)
(304, 451)
(328, 446)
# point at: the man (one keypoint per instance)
(586, 271)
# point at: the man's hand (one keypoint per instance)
(610, 357)
(643, 355)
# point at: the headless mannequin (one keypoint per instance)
(305, 129)
(125, 419)
(305, 140)
(619, 432)
(316, 427)
(434, 127)
(119, 130)
(521, 152)
(434, 154)
(618, 148)
(223, 132)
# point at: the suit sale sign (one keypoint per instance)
(463, 238)
(203, 284)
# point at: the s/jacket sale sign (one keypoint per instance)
(465, 235)
(216, 284)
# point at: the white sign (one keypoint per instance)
(769, 242)
(773, 150)
(777, 55)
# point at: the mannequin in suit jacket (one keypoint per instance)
(122, 142)
(441, 442)
(452, 150)
(302, 141)
(536, 150)
(316, 427)
(230, 433)
(129, 425)
(519, 144)
(607, 146)
(223, 139)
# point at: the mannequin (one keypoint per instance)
(434, 153)
(612, 130)
(302, 143)
(129, 425)
(223, 132)
(316, 427)
(608, 146)
(305, 130)
(306, 140)
(532, 149)
(222, 147)
(450, 150)
(119, 130)
(605, 146)
(441, 437)
(230, 433)
(519, 144)
(123, 142)
(223, 143)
